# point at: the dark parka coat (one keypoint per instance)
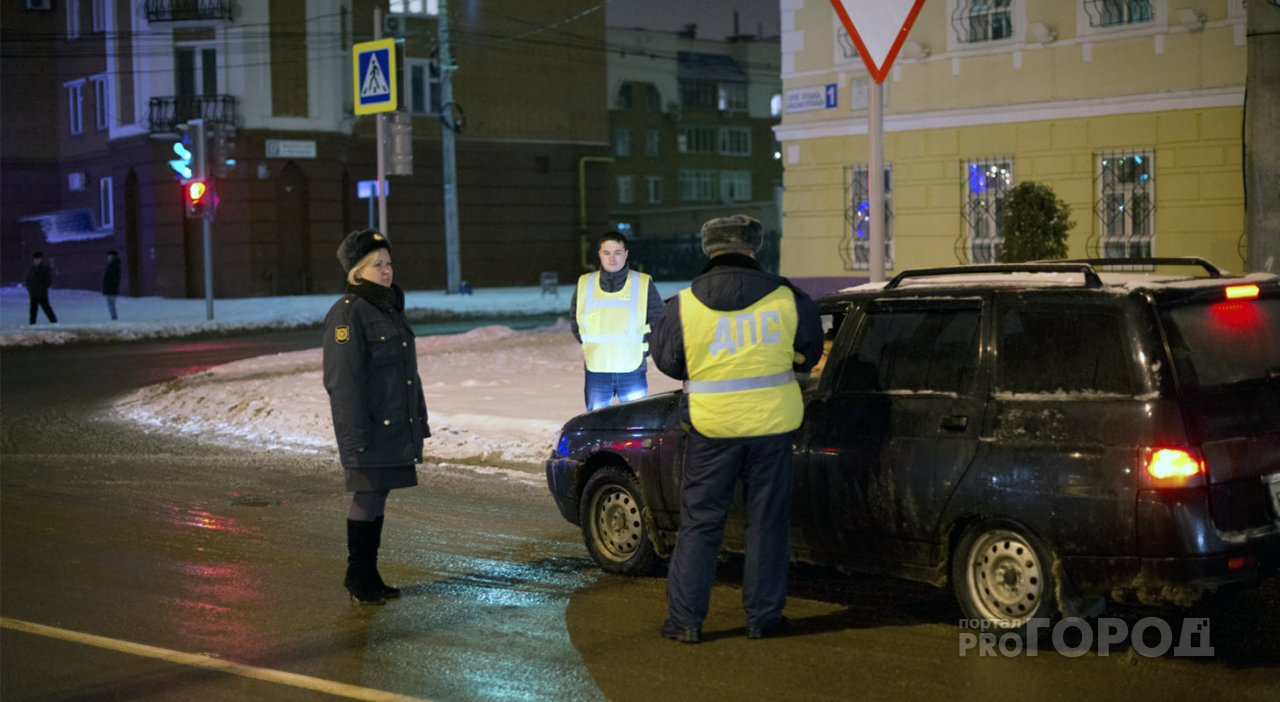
(371, 374)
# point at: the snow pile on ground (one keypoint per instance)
(82, 314)
(496, 399)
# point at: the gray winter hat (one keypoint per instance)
(735, 233)
(358, 244)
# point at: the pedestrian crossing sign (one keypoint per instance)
(374, 68)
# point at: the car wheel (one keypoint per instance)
(613, 524)
(1003, 576)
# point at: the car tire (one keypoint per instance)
(613, 524)
(1003, 577)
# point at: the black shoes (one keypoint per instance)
(683, 634)
(782, 627)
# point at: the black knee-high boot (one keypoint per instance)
(362, 558)
(387, 591)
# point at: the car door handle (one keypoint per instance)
(955, 422)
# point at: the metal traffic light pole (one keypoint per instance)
(200, 172)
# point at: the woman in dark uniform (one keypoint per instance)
(375, 393)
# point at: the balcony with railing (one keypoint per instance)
(188, 10)
(165, 113)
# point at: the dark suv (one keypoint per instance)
(1040, 436)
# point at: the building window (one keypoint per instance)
(731, 97)
(196, 69)
(655, 188)
(697, 186)
(75, 105)
(1114, 13)
(102, 101)
(415, 7)
(735, 186)
(698, 93)
(73, 19)
(652, 142)
(99, 15)
(854, 247)
(987, 182)
(982, 20)
(622, 142)
(106, 204)
(1126, 203)
(626, 191)
(623, 100)
(696, 140)
(653, 99)
(735, 141)
(424, 87)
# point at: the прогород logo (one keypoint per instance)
(980, 638)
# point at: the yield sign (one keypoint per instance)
(878, 27)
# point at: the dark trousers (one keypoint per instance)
(711, 469)
(600, 388)
(42, 302)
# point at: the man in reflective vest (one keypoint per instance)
(736, 337)
(613, 309)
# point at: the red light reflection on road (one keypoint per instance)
(189, 516)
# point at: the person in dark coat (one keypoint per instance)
(736, 336)
(39, 280)
(111, 282)
(375, 394)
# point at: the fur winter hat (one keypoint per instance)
(736, 233)
(358, 244)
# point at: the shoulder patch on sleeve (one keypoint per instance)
(342, 334)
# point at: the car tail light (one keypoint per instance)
(1242, 292)
(1173, 467)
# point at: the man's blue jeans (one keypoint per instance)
(602, 387)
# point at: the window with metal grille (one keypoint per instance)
(1112, 13)
(735, 141)
(987, 182)
(1126, 203)
(982, 20)
(855, 245)
(697, 186)
(731, 97)
(696, 140)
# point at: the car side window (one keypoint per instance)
(1051, 348)
(914, 349)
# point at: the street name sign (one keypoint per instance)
(373, 65)
(878, 28)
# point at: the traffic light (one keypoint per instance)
(198, 198)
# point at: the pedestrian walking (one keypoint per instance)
(111, 282)
(39, 280)
(375, 395)
(736, 337)
(613, 310)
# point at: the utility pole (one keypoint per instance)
(381, 122)
(453, 266)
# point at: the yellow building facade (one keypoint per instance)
(1130, 110)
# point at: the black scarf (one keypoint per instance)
(384, 298)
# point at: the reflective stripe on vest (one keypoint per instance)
(613, 324)
(740, 366)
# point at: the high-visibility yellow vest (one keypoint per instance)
(739, 362)
(613, 324)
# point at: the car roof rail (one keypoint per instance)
(1091, 279)
(1209, 267)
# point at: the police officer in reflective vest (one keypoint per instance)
(736, 337)
(613, 309)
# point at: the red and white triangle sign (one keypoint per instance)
(878, 27)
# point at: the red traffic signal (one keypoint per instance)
(197, 197)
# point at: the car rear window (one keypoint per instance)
(1045, 348)
(1223, 343)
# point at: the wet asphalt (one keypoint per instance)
(147, 538)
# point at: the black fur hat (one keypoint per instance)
(358, 244)
(734, 233)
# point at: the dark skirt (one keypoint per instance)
(369, 479)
